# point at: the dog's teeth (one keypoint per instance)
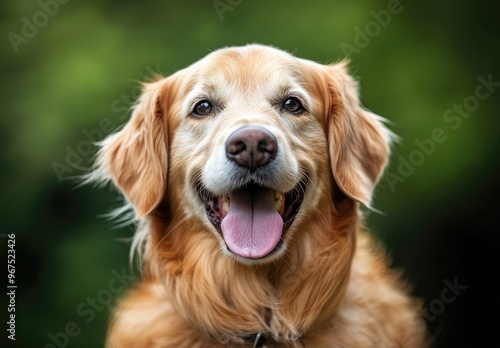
(225, 203)
(278, 200)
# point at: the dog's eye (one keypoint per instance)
(203, 108)
(293, 105)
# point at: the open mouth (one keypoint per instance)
(253, 219)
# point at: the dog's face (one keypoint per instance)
(250, 141)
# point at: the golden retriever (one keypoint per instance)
(245, 171)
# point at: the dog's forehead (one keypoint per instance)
(252, 67)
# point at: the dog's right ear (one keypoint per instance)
(135, 158)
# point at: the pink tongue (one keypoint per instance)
(252, 227)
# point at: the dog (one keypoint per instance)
(246, 172)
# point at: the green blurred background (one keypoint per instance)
(71, 70)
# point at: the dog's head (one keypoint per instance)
(250, 141)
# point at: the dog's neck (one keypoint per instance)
(227, 301)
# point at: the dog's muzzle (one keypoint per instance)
(252, 216)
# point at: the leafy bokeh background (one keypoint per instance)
(83, 67)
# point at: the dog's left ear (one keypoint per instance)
(359, 143)
(135, 158)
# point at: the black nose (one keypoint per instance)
(251, 147)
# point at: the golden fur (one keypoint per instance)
(330, 286)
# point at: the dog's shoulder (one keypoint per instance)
(377, 302)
